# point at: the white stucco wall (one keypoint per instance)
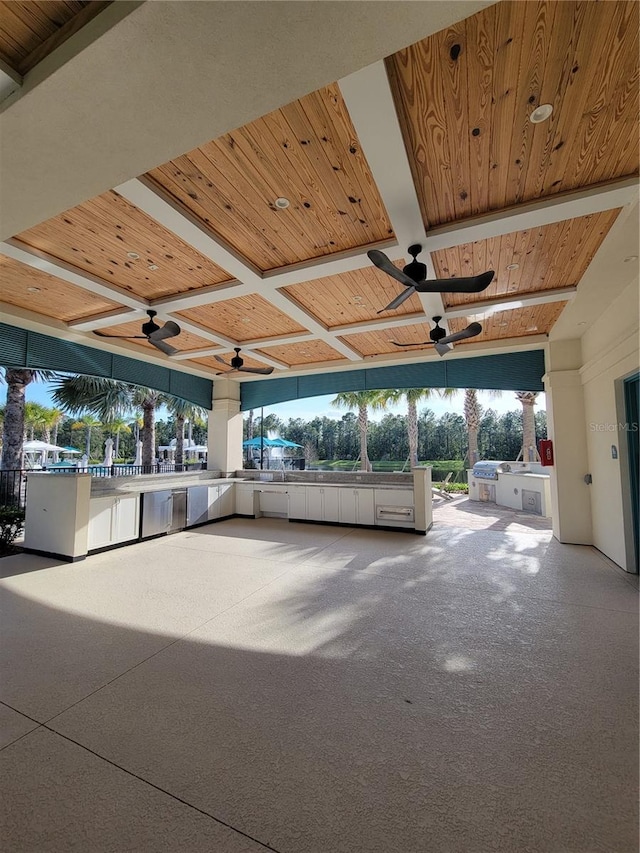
(609, 352)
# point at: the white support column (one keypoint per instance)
(570, 494)
(224, 436)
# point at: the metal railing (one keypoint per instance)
(13, 488)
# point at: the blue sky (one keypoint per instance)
(39, 392)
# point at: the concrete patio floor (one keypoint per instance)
(260, 685)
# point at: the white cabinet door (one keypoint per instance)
(366, 513)
(331, 504)
(315, 503)
(213, 503)
(126, 522)
(349, 506)
(298, 502)
(244, 499)
(226, 499)
(197, 505)
(100, 522)
(323, 503)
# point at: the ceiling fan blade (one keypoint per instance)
(222, 361)
(399, 299)
(418, 344)
(383, 263)
(169, 330)
(470, 284)
(124, 337)
(471, 331)
(442, 349)
(264, 371)
(165, 348)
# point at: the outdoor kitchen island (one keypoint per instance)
(71, 515)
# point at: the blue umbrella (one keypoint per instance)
(257, 442)
(283, 442)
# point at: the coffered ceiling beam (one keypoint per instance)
(535, 214)
(107, 318)
(511, 302)
(368, 97)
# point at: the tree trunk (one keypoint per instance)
(179, 440)
(13, 430)
(87, 448)
(250, 425)
(116, 450)
(529, 451)
(148, 433)
(412, 432)
(472, 415)
(363, 422)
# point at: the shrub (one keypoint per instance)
(11, 523)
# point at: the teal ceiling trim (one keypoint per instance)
(23, 348)
(516, 371)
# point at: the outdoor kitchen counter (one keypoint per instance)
(71, 515)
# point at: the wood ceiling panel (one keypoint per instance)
(379, 342)
(552, 256)
(307, 152)
(184, 342)
(54, 297)
(464, 95)
(96, 237)
(519, 322)
(210, 362)
(245, 318)
(306, 352)
(351, 297)
(31, 30)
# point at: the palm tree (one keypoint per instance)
(17, 380)
(361, 400)
(472, 414)
(183, 410)
(35, 417)
(528, 401)
(88, 422)
(413, 396)
(109, 399)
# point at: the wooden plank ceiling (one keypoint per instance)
(109, 237)
(45, 294)
(463, 98)
(306, 152)
(31, 30)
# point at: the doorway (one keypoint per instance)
(632, 409)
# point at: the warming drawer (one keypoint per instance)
(394, 513)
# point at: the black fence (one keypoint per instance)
(13, 484)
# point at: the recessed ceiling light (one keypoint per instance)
(513, 266)
(133, 255)
(282, 203)
(582, 323)
(153, 267)
(532, 329)
(33, 290)
(503, 324)
(541, 113)
(631, 258)
(245, 320)
(357, 298)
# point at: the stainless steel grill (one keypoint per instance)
(489, 470)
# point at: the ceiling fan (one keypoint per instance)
(153, 333)
(236, 365)
(441, 339)
(413, 276)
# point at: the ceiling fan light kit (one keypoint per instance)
(156, 335)
(236, 365)
(412, 276)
